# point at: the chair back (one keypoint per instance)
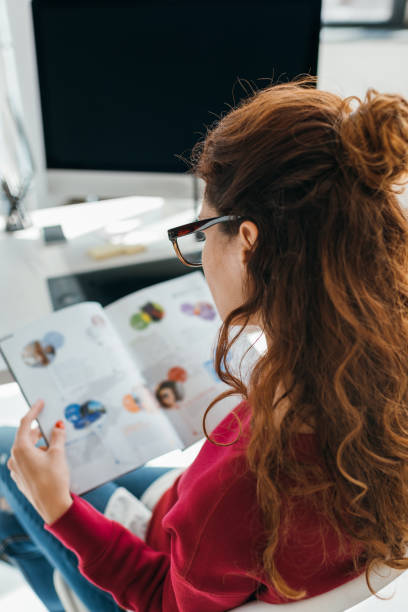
(339, 599)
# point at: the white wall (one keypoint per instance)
(352, 60)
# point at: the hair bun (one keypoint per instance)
(375, 138)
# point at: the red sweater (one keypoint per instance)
(204, 539)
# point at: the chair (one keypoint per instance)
(339, 599)
(345, 597)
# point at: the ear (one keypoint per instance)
(248, 234)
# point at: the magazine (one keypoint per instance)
(131, 381)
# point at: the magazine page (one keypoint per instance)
(170, 329)
(75, 361)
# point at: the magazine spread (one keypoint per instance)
(131, 381)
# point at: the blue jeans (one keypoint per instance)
(37, 553)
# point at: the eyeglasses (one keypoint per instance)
(188, 240)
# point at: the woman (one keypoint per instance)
(305, 484)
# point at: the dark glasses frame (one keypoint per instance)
(190, 228)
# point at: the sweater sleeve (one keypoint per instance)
(137, 576)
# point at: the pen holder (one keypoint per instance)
(18, 218)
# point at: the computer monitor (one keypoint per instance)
(116, 92)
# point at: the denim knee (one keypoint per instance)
(7, 435)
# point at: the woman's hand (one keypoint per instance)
(41, 474)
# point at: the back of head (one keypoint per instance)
(374, 137)
(327, 277)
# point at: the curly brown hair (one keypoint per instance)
(328, 279)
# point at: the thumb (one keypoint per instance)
(58, 435)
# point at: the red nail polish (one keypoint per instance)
(60, 424)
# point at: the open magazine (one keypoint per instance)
(131, 381)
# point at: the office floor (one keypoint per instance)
(15, 595)
(349, 63)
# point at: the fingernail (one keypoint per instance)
(38, 402)
(60, 424)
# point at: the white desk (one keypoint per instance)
(27, 262)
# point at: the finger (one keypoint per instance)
(43, 448)
(25, 423)
(35, 435)
(11, 464)
(14, 477)
(58, 436)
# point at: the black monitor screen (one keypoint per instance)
(133, 84)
